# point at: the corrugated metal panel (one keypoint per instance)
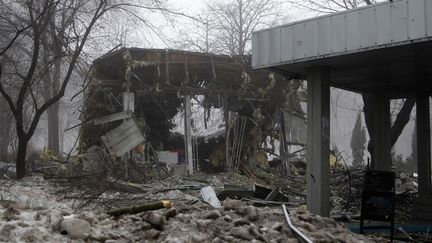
(311, 39)
(122, 138)
(113, 117)
(264, 45)
(384, 24)
(299, 43)
(399, 21)
(287, 44)
(275, 42)
(367, 19)
(339, 33)
(353, 34)
(255, 46)
(376, 26)
(428, 17)
(416, 19)
(324, 36)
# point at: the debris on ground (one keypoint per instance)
(92, 199)
(31, 211)
(140, 208)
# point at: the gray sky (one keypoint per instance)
(192, 8)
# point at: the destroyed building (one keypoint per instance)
(134, 180)
(161, 81)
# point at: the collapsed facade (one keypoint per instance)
(162, 82)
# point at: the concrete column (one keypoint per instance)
(318, 141)
(188, 135)
(382, 136)
(423, 147)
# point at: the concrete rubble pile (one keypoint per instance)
(35, 209)
(31, 212)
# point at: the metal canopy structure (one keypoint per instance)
(385, 46)
(383, 50)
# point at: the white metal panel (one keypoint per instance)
(263, 51)
(275, 38)
(324, 36)
(428, 10)
(299, 43)
(373, 26)
(287, 44)
(122, 138)
(255, 48)
(399, 21)
(311, 39)
(416, 19)
(128, 144)
(339, 33)
(384, 24)
(113, 117)
(353, 35)
(121, 132)
(367, 20)
(128, 101)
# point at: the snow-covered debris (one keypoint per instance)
(31, 212)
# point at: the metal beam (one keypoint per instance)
(188, 135)
(113, 117)
(423, 147)
(318, 141)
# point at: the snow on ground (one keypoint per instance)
(30, 211)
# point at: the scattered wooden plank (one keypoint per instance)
(140, 208)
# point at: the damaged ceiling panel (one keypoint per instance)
(179, 71)
(123, 138)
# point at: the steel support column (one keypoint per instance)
(318, 141)
(188, 135)
(423, 204)
(381, 130)
(423, 147)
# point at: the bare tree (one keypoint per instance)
(52, 51)
(330, 6)
(226, 26)
(114, 26)
(52, 35)
(5, 130)
(5, 114)
(35, 19)
(196, 35)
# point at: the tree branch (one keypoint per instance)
(402, 119)
(5, 94)
(98, 13)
